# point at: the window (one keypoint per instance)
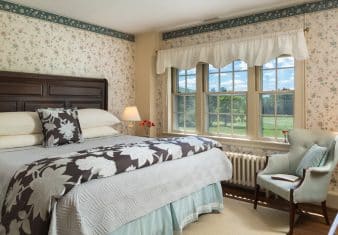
(237, 100)
(277, 87)
(227, 99)
(185, 100)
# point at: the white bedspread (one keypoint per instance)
(101, 206)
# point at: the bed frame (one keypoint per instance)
(28, 91)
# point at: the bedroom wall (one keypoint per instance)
(145, 77)
(321, 70)
(32, 45)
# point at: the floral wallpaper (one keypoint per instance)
(37, 46)
(321, 70)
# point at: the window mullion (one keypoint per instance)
(218, 107)
(184, 113)
(276, 92)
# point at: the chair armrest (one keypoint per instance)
(277, 164)
(319, 169)
(313, 187)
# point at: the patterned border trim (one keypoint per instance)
(251, 19)
(42, 15)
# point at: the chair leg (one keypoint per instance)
(256, 196)
(325, 213)
(293, 207)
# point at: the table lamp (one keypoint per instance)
(131, 115)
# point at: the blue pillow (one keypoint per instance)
(312, 158)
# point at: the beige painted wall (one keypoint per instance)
(145, 77)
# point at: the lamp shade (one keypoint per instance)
(130, 113)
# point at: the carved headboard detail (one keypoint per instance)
(28, 91)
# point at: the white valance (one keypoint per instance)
(255, 51)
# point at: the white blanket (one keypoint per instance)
(101, 206)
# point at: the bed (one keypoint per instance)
(159, 199)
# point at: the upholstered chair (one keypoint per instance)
(313, 185)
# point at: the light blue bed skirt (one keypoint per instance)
(176, 215)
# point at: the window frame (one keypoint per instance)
(276, 92)
(253, 103)
(174, 94)
(232, 93)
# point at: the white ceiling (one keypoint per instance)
(136, 16)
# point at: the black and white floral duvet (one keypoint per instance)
(35, 187)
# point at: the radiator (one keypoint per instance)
(244, 168)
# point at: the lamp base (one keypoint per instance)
(131, 124)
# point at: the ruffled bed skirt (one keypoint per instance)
(172, 218)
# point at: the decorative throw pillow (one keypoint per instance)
(60, 126)
(312, 158)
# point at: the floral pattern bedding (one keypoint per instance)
(35, 188)
(60, 126)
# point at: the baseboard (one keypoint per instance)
(332, 200)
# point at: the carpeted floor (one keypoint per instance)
(239, 218)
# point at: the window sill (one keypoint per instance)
(243, 142)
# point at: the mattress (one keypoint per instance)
(101, 206)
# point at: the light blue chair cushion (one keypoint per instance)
(313, 157)
(279, 187)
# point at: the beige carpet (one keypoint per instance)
(239, 218)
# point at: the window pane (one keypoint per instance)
(181, 84)
(239, 124)
(269, 80)
(286, 79)
(191, 71)
(268, 126)
(212, 123)
(239, 104)
(190, 122)
(226, 82)
(190, 117)
(285, 104)
(190, 103)
(181, 72)
(224, 103)
(240, 65)
(180, 121)
(212, 104)
(213, 82)
(225, 124)
(241, 81)
(270, 65)
(212, 69)
(227, 68)
(283, 123)
(179, 104)
(191, 83)
(268, 104)
(285, 61)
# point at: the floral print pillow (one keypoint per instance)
(60, 126)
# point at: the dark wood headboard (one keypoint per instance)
(28, 91)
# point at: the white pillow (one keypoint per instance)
(96, 117)
(14, 141)
(19, 123)
(98, 132)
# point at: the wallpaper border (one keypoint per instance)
(251, 19)
(43, 15)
